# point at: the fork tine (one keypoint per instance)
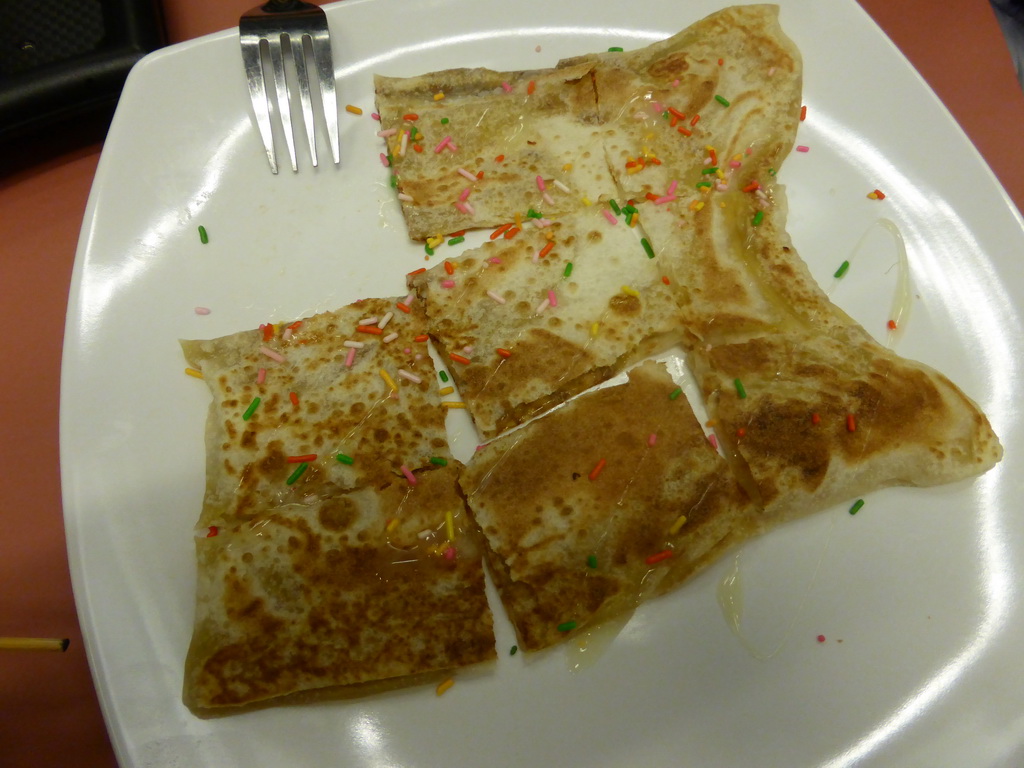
(321, 44)
(283, 102)
(258, 95)
(302, 75)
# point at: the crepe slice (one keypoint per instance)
(810, 421)
(363, 591)
(472, 148)
(530, 321)
(723, 95)
(611, 499)
(349, 396)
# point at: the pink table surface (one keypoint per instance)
(50, 714)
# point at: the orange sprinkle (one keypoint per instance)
(504, 352)
(353, 109)
(449, 267)
(268, 331)
(751, 187)
(664, 279)
(675, 112)
(511, 232)
(598, 468)
(500, 230)
(721, 62)
(546, 250)
(741, 432)
(417, 147)
(684, 131)
(479, 175)
(695, 119)
(891, 325)
(416, 272)
(369, 329)
(296, 325)
(403, 307)
(294, 398)
(499, 159)
(851, 423)
(657, 557)
(803, 112)
(443, 687)
(815, 418)
(459, 358)
(421, 338)
(531, 87)
(299, 459)
(411, 117)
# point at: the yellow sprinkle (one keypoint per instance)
(634, 219)
(586, 201)
(567, 167)
(435, 241)
(392, 524)
(720, 173)
(449, 526)
(388, 380)
(194, 372)
(453, 404)
(519, 220)
(872, 196)
(679, 523)
(444, 686)
(630, 291)
(594, 329)
(446, 391)
(353, 109)
(696, 205)
(438, 96)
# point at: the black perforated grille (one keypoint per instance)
(41, 32)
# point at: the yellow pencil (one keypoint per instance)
(34, 644)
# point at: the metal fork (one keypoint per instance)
(274, 26)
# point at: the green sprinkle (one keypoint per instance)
(615, 49)
(429, 250)
(712, 169)
(665, 114)
(251, 409)
(203, 237)
(512, 650)
(842, 269)
(532, 214)
(443, 375)
(567, 626)
(740, 391)
(703, 184)
(439, 461)
(629, 209)
(391, 160)
(771, 171)
(615, 207)
(444, 121)
(722, 100)
(568, 269)
(297, 473)
(456, 240)
(647, 247)
(856, 506)
(345, 459)
(394, 181)
(592, 561)
(758, 218)
(675, 393)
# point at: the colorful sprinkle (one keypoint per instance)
(647, 247)
(275, 356)
(675, 393)
(568, 269)
(297, 473)
(505, 353)
(439, 461)
(677, 525)
(803, 113)
(740, 391)
(802, 148)
(820, 638)
(842, 269)
(722, 100)
(512, 651)
(251, 409)
(453, 404)
(876, 195)
(567, 626)
(408, 474)
(203, 237)
(758, 218)
(344, 459)
(194, 373)
(459, 358)
(443, 686)
(856, 506)
(299, 459)
(657, 557)
(851, 423)
(591, 561)
(598, 468)
(294, 398)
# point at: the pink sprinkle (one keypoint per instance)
(821, 638)
(389, 132)
(735, 163)
(610, 216)
(408, 475)
(664, 199)
(552, 299)
(466, 208)
(547, 198)
(350, 357)
(494, 260)
(675, 82)
(447, 283)
(467, 174)
(540, 183)
(375, 116)
(202, 311)
(384, 160)
(652, 439)
(507, 87)
(452, 147)
(464, 195)
(496, 297)
(713, 440)
(802, 148)
(672, 188)
(442, 144)
(542, 306)
(272, 354)
(261, 375)
(449, 554)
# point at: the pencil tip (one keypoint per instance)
(64, 644)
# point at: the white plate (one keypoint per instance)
(917, 596)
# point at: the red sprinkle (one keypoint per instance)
(803, 112)
(268, 331)
(214, 530)
(421, 337)
(403, 307)
(500, 231)
(411, 117)
(294, 398)
(676, 113)
(504, 352)
(851, 423)
(459, 358)
(694, 120)
(369, 329)
(664, 279)
(546, 250)
(597, 469)
(299, 459)
(531, 87)
(741, 432)
(815, 418)
(416, 272)
(752, 186)
(892, 325)
(499, 159)
(449, 267)
(657, 557)
(511, 232)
